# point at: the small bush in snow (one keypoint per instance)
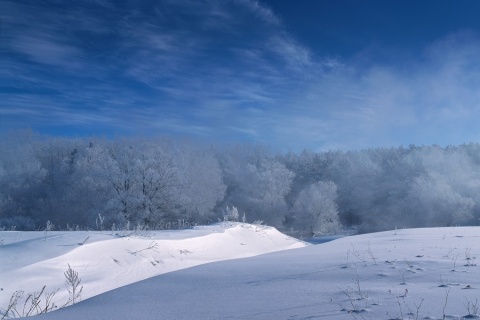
(231, 214)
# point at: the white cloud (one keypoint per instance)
(203, 72)
(262, 11)
(48, 51)
(424, 101)
(296, 56)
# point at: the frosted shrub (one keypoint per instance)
(231, 214)
(48, 227)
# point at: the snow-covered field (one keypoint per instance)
(108, 260)
(410, 274)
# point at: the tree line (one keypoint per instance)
(163, 182)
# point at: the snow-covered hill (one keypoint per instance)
(399, 274)
(108, 260)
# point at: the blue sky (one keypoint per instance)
(291, 74)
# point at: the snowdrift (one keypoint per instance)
(108, 260)
(398, 274)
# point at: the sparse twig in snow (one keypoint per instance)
(48, 227)
(409, 264)
(371, 254)
(472, 307)
(443, 284)
(355, 295)
(35, 303)
(153, 246)
(469, 258)
(446, 302)
(454, 259)
(84, 241)
(358, 256)
(72, 282)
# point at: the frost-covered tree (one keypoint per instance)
(200, 181)
(155, 181)
(257, 183)
(155, 177)
(22, 174)
(433, 202)
(357, 174)
(138, 179)
(315, 209)
(61, 199)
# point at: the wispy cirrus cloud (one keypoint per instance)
(45, 50)
(188, 61)
(262, 11)
(225, 70)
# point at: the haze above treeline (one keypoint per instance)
(157, 183)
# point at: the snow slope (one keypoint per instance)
(409, 274)
(106, 260)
